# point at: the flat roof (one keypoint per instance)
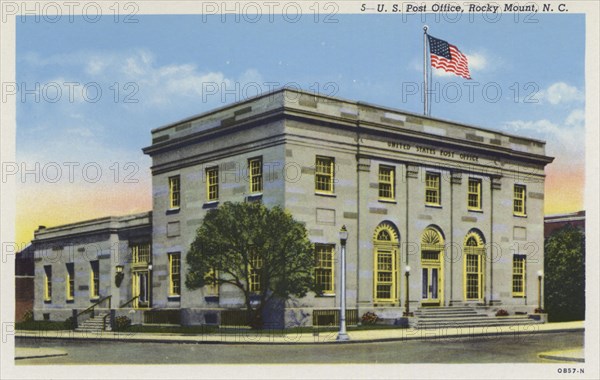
(338, 99)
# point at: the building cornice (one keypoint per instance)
(350, 119)
(98, 226)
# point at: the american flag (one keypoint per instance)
(448, 57)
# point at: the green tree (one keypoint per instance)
(564, 268)
(262, 251)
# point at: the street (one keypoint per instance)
(479, 349)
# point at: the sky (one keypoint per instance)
(90, 93)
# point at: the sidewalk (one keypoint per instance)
(277, 337)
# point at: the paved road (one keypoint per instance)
(482, 349)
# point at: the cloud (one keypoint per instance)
(565, 140)
(138, 74)
(561, 93)
(477, 62)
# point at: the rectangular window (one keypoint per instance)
(255, 173)
(70, 281)
(474, 194)
(212, 287)
(254, 283)
(174, 192)
(387, 182)
(324, 174)
(432, 189)
(140, 253)
(47, 283)
(519, 200)
(385, 275)
(94, 279)
(212, 184)
(324, 267)
(473, 276)
(518, 277)
(175, 274)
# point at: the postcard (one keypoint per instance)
(299, 189)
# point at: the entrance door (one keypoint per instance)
(141, 289)
(431, 285)
(432, 264)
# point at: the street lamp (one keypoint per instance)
(540, 274)
(407, 273)
(342, 335)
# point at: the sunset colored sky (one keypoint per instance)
(91, 92)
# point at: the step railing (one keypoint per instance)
(92, 309)
(128, 302)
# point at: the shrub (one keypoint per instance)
(369, 318)
(28, 316)
(70, 323)
(501, 313)
(122, 322)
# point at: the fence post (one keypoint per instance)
(74, 314)
(113, 313)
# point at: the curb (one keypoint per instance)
(366, 340)
(39, 356)
(561, 358)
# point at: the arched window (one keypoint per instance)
(474, 251)
(385, 255)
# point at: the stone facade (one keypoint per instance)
(77, 247)
(290, 129)
(453, 202)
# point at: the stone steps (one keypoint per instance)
(454, 317)
(94, 324)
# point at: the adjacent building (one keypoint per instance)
(24, 283)
(553, 223)
(438, 213)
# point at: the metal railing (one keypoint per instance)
(91, 310)
(128, 302)
(331, 317)
(162, 316)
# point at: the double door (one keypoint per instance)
(431, 286)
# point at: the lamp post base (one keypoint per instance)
(342, 337)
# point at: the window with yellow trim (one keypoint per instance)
(324, 174)
(385, 255)
(432, 189)
(519, 198)
(518, 276)
(140, 253)
(474, 194)
(387, 182)
(47, 283)
(174, 274)
(94, 279)
(474, 252)
(255, 174)
(174, 192)
(473, 274)
(324, 267)
(212, 184)
(386, 274)
(70, 281)
(254, 268)
(212, 286)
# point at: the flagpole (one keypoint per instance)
(425, 84)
